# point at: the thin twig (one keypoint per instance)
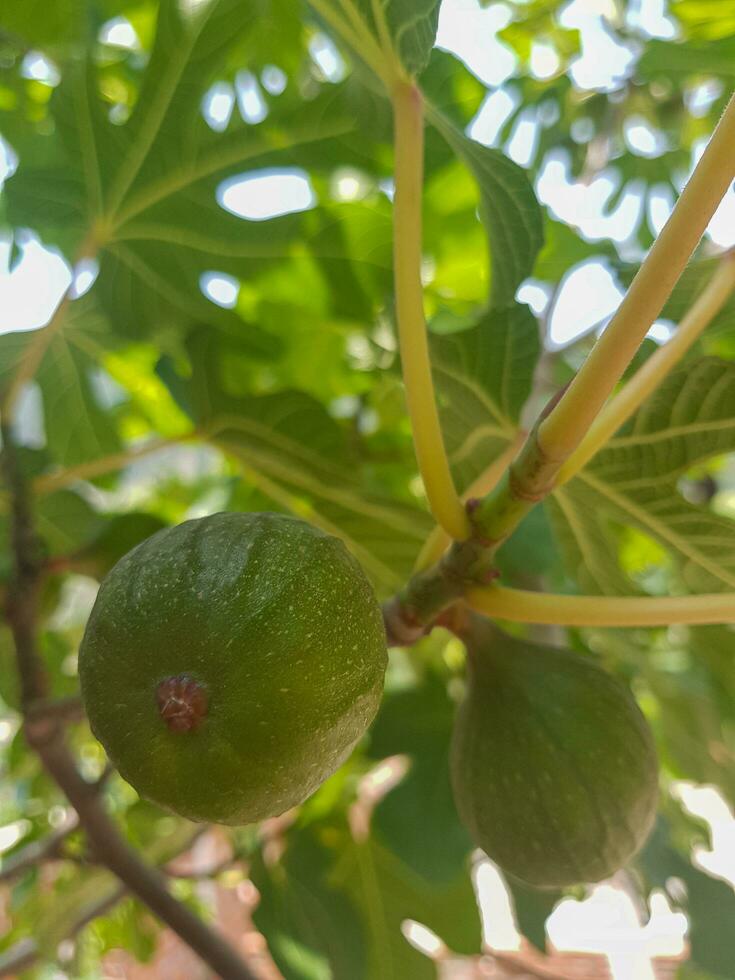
(47, 849)
(25, 953)
(19, 957)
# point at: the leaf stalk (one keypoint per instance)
(564, 424)
(438, 541)
(444, 501)
(520, 606)
(645, 381)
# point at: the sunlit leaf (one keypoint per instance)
(408, 26)
(709, 902)
(483, 377)
(388, 893)
(313, 929)
(509, 211)
(418, 819)
(289, 447)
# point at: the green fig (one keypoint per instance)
(553, 765)
(231, 663)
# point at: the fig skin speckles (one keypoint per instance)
(182, 703)
(231, 663)
(553, 765)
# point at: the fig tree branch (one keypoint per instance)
(438, 541)
(645, 381)
(438, 579)
(47, 738)
(566, 426)
(26, 952)
(443, 499)
(565, 423)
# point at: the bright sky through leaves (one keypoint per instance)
(470, 31)
(273, 307)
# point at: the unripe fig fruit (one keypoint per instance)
(553, 764)
(231, 663)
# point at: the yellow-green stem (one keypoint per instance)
(438, 541)
(516, 605)
(565, 423)
(617, 412)
(568, 423)
(443, 499)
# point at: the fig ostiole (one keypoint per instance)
(230, 664)
(553, 764)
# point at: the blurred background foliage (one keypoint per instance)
(220, 357)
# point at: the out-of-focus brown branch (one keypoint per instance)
(20, 956)
(66, 710)
(45, 734)
(21, 594)
(206, 874)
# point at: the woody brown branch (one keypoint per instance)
(45, 735)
